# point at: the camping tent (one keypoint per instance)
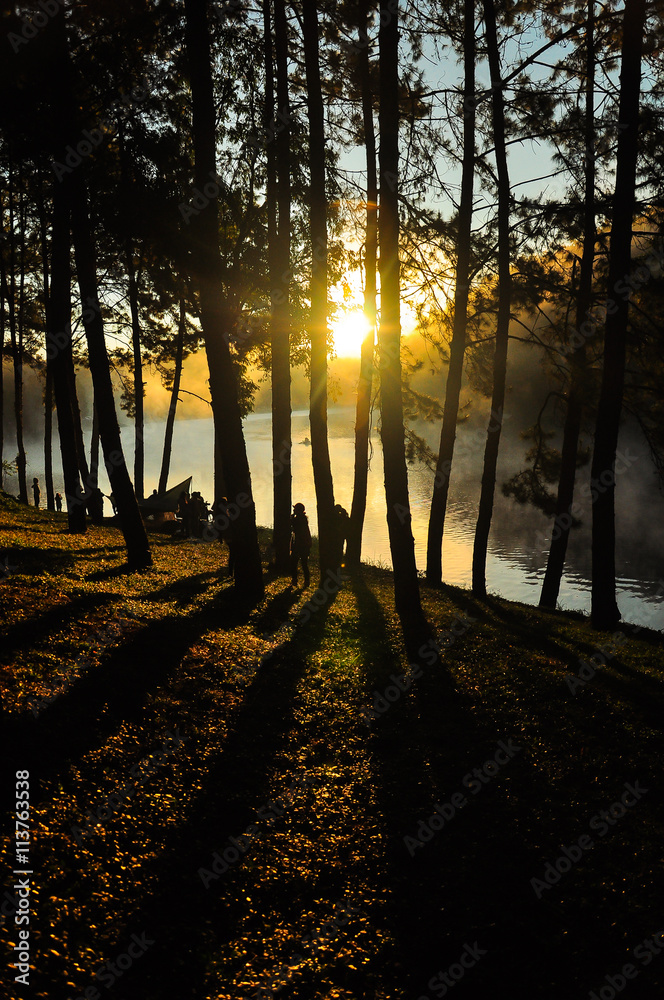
(167, 501)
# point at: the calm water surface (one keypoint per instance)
(517, 547)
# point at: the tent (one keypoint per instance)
(167, 501)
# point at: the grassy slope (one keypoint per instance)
(184, 655)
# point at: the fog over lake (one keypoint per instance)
(517, 548)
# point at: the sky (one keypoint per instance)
(530, 161)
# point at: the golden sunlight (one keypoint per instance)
(348, 331)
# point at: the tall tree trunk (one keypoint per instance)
(48, 438)
(58, 334)
(94, 448)
(70, 371)
(577, 374)
(131, 523)
(139, 421)
(280, 287)
(78, 427)
(269, 124)
(320, 452)
(16, 335)
(402, 544)
(605, 612)
(214, 317)
(48, 376)
(434, 572)
(503, 320)
(3, 298)
(364, 388)
(170, 419)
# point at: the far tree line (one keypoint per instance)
(174, 176)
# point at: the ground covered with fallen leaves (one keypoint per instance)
(232, 802)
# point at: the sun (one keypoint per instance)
(349, 330)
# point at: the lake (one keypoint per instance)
(517, 547)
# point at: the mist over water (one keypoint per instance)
(517, 550)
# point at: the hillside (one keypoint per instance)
(249, 794)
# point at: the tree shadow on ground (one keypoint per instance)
(533, 631)
(33, 560)
(181, 911)
(469, 882)
(113, 572)
(181, 591)
(103, 695)
(34, 631)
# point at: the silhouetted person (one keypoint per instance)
(197, 512)
(97, 506)
(341, 520)
(113, 504)
(183, 512)
(58, 502)
(300, 545)
(36, 492)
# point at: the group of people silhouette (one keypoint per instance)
(193, 512)
(300, 544)
(95, 506)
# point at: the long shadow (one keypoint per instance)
(277, 607)
(35, 630)
(469, 882)
(181, 589)
(102, 697)
(583, 651)
(124, 569)
(183, 915)
(176, 911)
(34, 560)
(537, 639)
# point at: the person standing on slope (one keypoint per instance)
(300, 545)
